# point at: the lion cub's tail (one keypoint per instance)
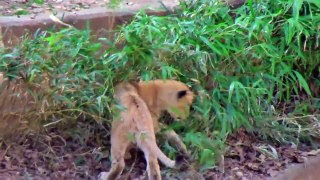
(163, 158)
(179, 163)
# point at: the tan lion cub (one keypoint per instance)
(143, 103)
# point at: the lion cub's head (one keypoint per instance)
(178, 98)
(172, 96)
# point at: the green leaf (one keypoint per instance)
(211, 46)
(316, 2)
(303, 82)
(22, 12)
(251, 9)
(297, 4)
(33, 74)
(231, 89)
(164, 72)
(39, 1)
(206, 155)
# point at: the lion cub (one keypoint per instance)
(143, 103)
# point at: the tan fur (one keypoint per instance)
(160, 95)
(143, 103)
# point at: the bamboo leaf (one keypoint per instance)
(303, 82)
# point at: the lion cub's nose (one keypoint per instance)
(191, 109)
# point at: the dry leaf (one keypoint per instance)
(253, 166)
(239, 174)
(313, 152)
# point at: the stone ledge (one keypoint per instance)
(12, 27)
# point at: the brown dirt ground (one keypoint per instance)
(82, 152)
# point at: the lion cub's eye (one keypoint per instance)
(181, 94)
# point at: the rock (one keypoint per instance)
(239, 174)
(103, 175)
(34, 5)
(37, 10)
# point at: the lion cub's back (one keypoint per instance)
(136, 115)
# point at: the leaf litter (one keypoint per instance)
(251, 158)
(82, 152)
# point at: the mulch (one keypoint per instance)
(82, 152)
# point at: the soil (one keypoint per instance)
(34, 7)
(82, 152)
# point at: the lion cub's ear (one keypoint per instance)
(182, 93)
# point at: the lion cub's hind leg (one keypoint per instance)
(147, 146)
(118, 151)
(153, 168)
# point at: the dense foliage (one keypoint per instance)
(256, 67)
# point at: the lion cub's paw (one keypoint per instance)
(182, 162)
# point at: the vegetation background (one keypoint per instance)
(254, 67)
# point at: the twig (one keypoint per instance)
(7, 170)
(134, 162)
(49, 124)
(57, 20)
(5, 152)
(293, 118)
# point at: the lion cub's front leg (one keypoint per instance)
(174, 139)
